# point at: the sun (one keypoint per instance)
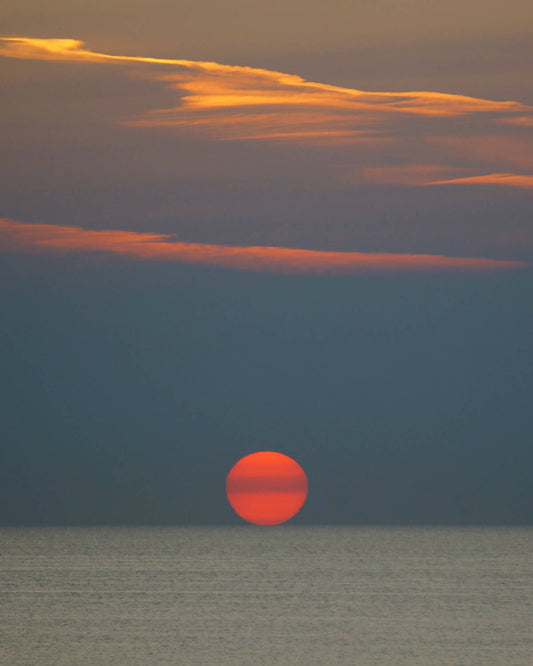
(266, 488)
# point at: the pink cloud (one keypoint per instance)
(53, 239)
(506, 179)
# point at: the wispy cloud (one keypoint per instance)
(457, 134)
(286, 100)
(423, 175)
(507, 179)
(407, 174)
(526, 121)
(53, 239)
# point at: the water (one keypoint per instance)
(285, 595)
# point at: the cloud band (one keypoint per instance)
(54, 239)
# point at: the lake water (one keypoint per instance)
(283, 595)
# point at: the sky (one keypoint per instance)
(242, 226)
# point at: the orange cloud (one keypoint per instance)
(525, 121)
(407, 174)
(417, 130)
(422, 175)
(508, 179)
(235, 102)
(499, 153)
(49, 238)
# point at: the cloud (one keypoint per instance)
(409, 174)
(235, 102)
(53, 239)
(507, 179)
(456, 138)
(526, 121)
(420, 175)
(275, 482)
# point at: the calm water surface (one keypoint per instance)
(284, 595)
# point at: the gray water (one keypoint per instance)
(284, 595)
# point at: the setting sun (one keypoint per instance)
(266, 488)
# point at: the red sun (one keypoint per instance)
(266, 488)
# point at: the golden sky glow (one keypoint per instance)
(48, 238)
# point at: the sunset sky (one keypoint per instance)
(299, 227)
